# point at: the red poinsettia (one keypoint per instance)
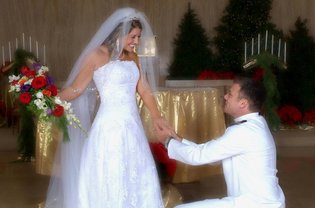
(213, 75)
(39, 82)
(258, 74)
(160, 155)
(309, 116)
(290, 115)
(25, 97)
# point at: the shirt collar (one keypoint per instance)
(246, 117)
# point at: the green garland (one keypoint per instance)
(269, 62)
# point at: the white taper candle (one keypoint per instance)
(266, 40)
(10, 58)
(279, 47)
(285, 53)
(30, 44)
(36, 49)
(3, 59)
(245, 52)
(252, 46)
(272, 38)
(23, 41)
(44, 61)
(16, 44)
(258, 48)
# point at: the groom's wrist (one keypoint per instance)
(167, 141)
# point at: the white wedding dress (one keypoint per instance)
(117, 169)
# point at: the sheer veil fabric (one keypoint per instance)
(63, 187)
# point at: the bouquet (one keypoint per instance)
(34, 89)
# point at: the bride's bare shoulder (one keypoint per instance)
(100, 56)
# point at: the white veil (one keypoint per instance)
(63, 187)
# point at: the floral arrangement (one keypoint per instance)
(34, 89)
(289, 115)
(309, 116)
(166, 166)
(210, 74)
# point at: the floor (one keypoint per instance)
(21, 187)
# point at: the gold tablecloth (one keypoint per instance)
(195, 113)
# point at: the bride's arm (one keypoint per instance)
(84, 77)
(149, 101)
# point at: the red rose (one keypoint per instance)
(52, 89)
(58, 111)
(24, 70)
(38, 82)
(30, 73)
(25, 97)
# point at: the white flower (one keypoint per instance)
(43, 70)
(58, 101)
(29, 81)
(13, 78)
(39, 94)
(40, 104)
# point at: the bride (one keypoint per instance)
(113, 165)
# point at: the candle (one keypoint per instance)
(272, 44)
(258, 48)
(30, 44)
(245, 51)
(3, 60)
(285, 53)
(10, 51)
(266, 40)
(23, 41)
(279, 46)
(16, 44)
(252, 46)
(36, 49)
(44, 54)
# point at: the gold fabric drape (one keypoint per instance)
(194, 113)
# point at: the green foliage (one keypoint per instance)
(270, 64)
(192, 52)
(27, 134)
(20, 59)
(242, 20)
(298, 83)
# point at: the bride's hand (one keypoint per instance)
(160, 124)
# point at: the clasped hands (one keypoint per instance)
(163, 130)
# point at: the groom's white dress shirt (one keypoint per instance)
(248, 154)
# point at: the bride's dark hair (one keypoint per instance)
(112, 40)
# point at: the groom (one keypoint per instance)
(246, 149)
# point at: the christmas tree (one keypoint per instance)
(242, 20)
(192, 52)
(297, 84)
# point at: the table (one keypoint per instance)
(194, 113)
